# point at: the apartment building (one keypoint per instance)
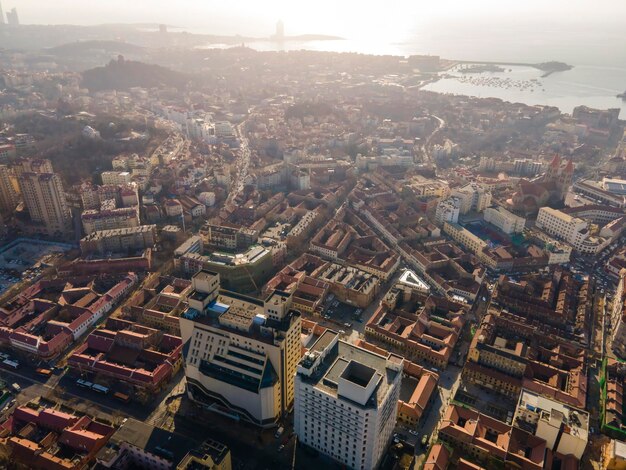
(346, 401)
(119, 240)
(109, 219)
(509, 353)
(127, 352)
(466, 238)
(8, 195)
(42, 437)
(45, 200)
(116, 177)
(241, 353)
(423, 328)
(618, 316)
(228, 236)
(490, 441)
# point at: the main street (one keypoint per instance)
(426, 147)
(242, 165)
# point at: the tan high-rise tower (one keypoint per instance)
(45, 200)
(8, 196)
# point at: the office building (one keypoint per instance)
(346, 401)
(12, 18)
(280, 30)
(506, 221)
(240, 352)
(46, 203)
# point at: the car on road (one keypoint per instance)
(16, 388)
(281, 447)
(413, 432)
(279, 432)
(424, 440)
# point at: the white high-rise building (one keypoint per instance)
(116, 177)
(447, 211)
(504, 220)
(561, 225)
(346, 401)
(473, 197)
(241, 353)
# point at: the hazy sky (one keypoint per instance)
(341, 17)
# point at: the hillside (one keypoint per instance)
(123, 74)
(84, 47)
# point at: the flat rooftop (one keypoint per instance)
(576, 420)
(165, 444)
(411, 279)
(358, 365)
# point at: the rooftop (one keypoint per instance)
(331, 361)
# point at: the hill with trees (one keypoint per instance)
(123, 74)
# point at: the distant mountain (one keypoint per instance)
(124, 74)
(82, 47)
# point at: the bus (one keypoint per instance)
(99, 389)
(10, 364)
(122, 397)
(83, 383)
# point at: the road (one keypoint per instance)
(426, 146)
(243, 163)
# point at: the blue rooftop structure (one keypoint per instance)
(217, 307)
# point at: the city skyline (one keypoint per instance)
(270, 247)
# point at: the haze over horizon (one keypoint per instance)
(325, 16)
(578, 32)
